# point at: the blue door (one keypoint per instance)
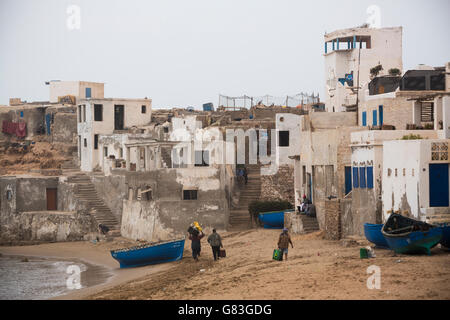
(439, 185)
(374, 117)
(380, 112)
(88, 92)
(348, 179)
(364, 119)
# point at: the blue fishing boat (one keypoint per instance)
(445, 241)
(406, 235)
(373, 234)
(272, 220)
(151, 253)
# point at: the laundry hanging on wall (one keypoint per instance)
(18, 129)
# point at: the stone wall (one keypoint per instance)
(167, 215)
(24, 216)
(332, 219)
(279, 185)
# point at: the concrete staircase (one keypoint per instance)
(86, 193)
(310, 224)
(239, 216)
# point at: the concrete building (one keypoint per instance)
(416, 179)
(77, 89)
(412, 101)
(349, 56)
(367, 165)
(103, 117)
(322, 162)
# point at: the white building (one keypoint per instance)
(104, 117)
(349, 56)
(78, 89)
(416, 178)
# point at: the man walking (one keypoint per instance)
(195, 244)
(216, 243)
(283, 243)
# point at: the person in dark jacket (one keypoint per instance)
(216, 243)
(283, 242)
(195, 244)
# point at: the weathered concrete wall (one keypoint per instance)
(279, 185)
(168, 215)
(34, 116)
(113, 190)
(24, 215)
(348, 228)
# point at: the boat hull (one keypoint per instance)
(155, 254)
(272, 220)
(415, 242)
(445, 241)
(374, 235)
(406, 235)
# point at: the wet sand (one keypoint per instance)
(316, 269)
(96, 256)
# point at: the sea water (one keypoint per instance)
(34, 278)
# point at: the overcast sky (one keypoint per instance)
(186, 52)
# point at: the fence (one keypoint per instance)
(267, 100)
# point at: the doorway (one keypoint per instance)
(439, 185)
(51, 199)
(119, 117)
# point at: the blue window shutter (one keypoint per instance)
(374, 117)
(362, 177)
(370, 177)
(88, 92)
(364, 119)
(355, 177)
(380, 112)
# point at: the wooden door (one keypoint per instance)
(51, 199)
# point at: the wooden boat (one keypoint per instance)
(374, 235)
(406, 235)
(151, 253)
(272, 220)
(445, 241)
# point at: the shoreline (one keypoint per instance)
(92, 255)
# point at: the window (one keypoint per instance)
(414, 83)
(105, 151)
(202, 158)
(95, 141)
(437, 82)
(355, 177)
(370, 177)
(374, 117)
(146, 194)
(304, 174)
(85, 142)
(166, 129)
(88, 93)
(362, 177)
(144, 109)
(189, 194)
(84, 113)
(79, 114)
(364, 118)
(8, 195)
(98, 112)
(283, 138)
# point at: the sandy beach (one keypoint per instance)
(316, 269)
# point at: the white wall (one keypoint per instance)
(287, 122)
